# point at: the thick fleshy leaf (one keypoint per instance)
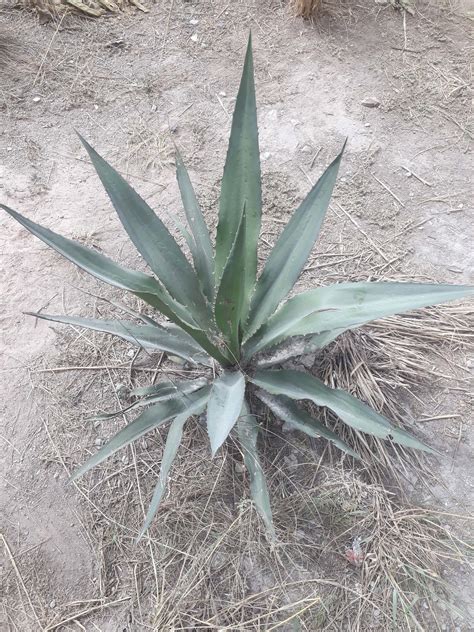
(230, 300)
(353, 412)
(225, 404)
(168, 388)
(90, 260)
(156, 393)
(104, 269)
(247, 429)
(241, 181)
(200, 243)
(149, 419)
(146, 336)
(348, 305)
(291, 250)
(173, 440)
(285, 409)
(142, 285)
(152, 239)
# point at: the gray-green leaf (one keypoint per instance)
(173, 441)
(230, 301)
(149, 419)
(247, 429)
(176, 342)
(353, 412)
(104, 269)
(225, 404)
(285, 409)
(156, 393)
(152, 239)
(200, 243)
(292, 249)
(241, 181)
(348, 305)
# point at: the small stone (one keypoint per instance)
(239, 468)
(265, 155)
(52, 604)
(36, 99)
(130, 353)
(194, 22)
(370, 102)
(194, 38)
(222, 93)
(98, 442)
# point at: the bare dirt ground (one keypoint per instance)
(134, 85)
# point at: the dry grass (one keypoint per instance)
(90, 8)
(11, 53)
(306, 8)
(387, 365)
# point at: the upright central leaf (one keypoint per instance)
(230, 300)
(241, 181)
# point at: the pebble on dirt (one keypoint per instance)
(370, 102)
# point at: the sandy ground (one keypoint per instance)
(135, 84)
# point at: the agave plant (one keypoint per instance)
(221, 313)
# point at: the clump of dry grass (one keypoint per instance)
(306, 8)
(90, 8)
(10, 52)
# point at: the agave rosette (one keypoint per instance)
(221, 312)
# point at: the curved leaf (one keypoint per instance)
(152, 239)
(348, 305)
(149, 419)
(147, 336)
(292, 249)
(200, 242)
(168, 388)
(156, 393)
(285, 409)
(142, 285)
(247, 429)
(225, 404)
(173, 440)
(241, 181)
(230, 301)
(104, 269)
(353, 412)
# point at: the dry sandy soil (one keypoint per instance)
(133, 85)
